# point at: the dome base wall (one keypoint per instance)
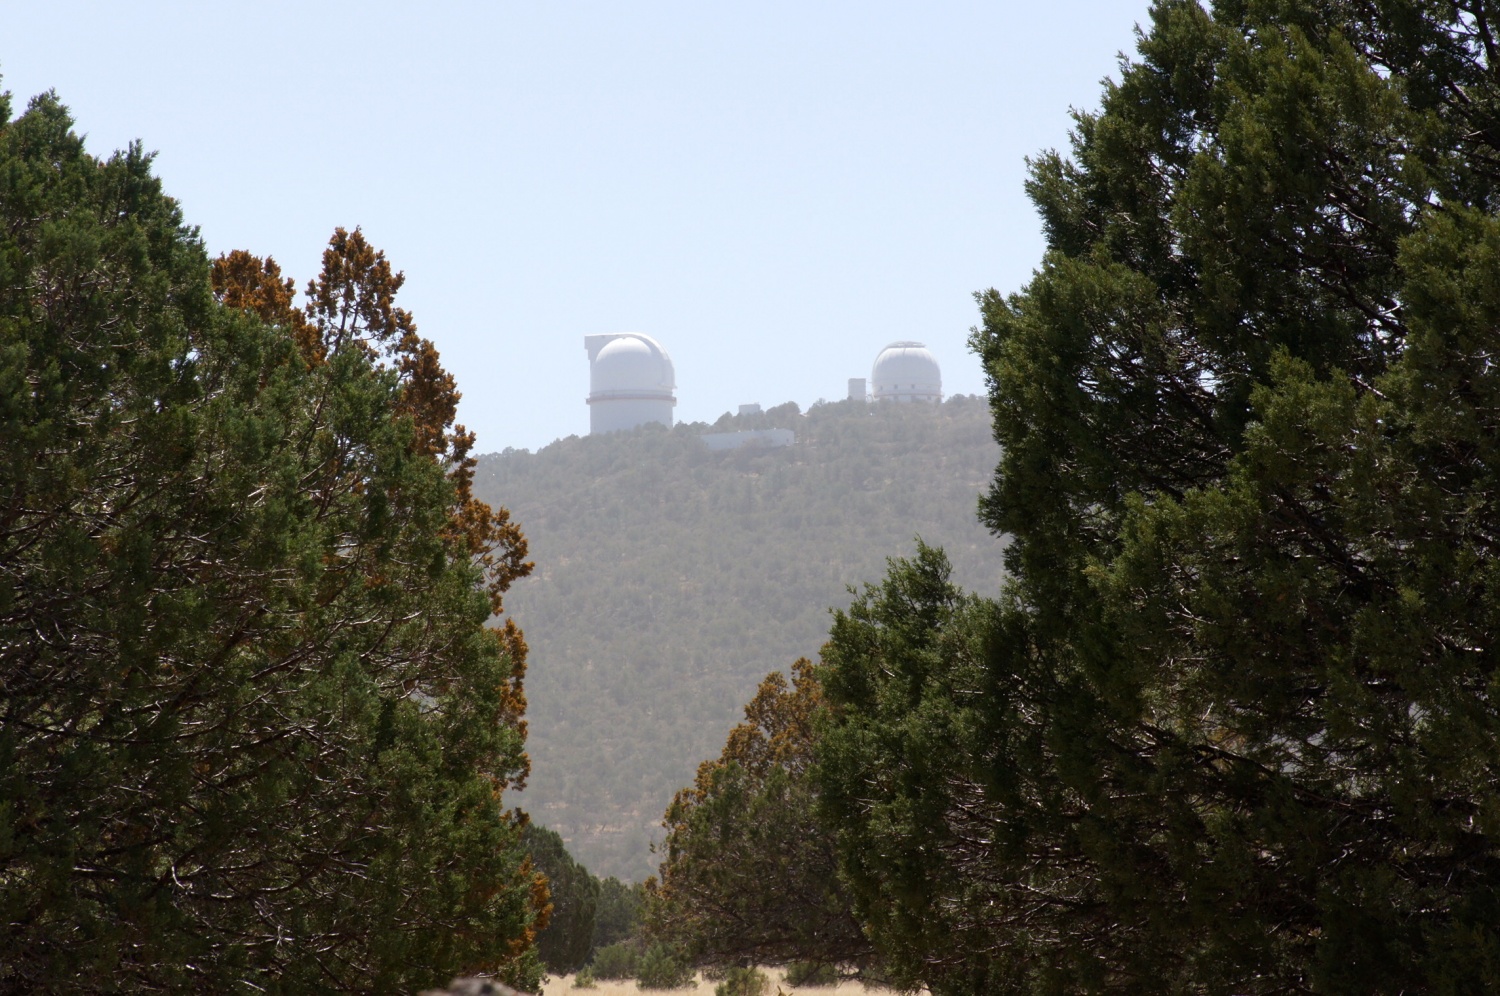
(619, 414)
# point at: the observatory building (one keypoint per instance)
(905, 371)
(630, 382)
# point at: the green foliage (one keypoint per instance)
(564, 944)
(620, 960)
(671, 579)
(1232, 727)
(618, 914)
(813, 974)
(749, 875)
(253, 731)
(585, 979)
(743, 982)
(904, 672)
(664, 967)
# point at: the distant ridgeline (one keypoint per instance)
(671, 578)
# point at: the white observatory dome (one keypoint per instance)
(906, 371)
(630, 382)
(634, 364)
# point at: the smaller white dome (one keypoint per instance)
(906, 371)
(631, 365)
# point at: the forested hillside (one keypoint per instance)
(670, 580)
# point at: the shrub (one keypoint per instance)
(616, 961)
(662, 967)
(811, 973)
(743, 982)
(584, 979)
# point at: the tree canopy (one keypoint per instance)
(253, 728)
(1233, 724)
(565, 944)
(747, 875)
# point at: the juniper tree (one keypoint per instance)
(567, 940)
(253, 729)
(748, 875)
(1235, 728)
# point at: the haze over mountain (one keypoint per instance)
(671, 579)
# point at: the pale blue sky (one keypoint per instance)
(773, 190)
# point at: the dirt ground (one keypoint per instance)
(563, 986)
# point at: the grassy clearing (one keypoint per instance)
(562, 985)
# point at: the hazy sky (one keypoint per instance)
(774, 191)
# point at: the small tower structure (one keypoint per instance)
(631, 381)
(906, 371)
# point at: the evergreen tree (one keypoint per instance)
(565, 943)
(903, 672)
(618, 914)
(253, 730)
(1234, 725)
(749, 877)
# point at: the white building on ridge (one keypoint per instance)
(631, 381)
(906, 371)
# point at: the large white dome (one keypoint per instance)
(630, 381)
(906, 371)
(631, 364)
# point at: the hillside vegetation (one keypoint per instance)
(670, 580)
